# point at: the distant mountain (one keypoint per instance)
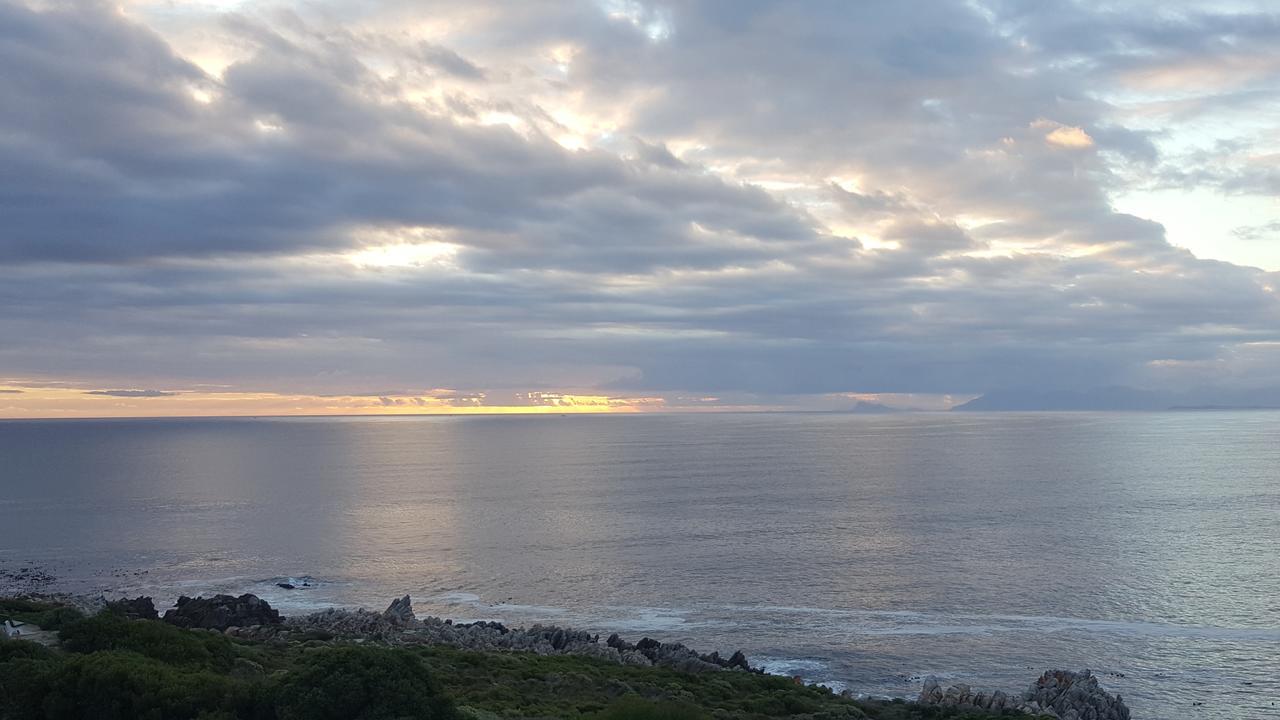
(1124, 398)
(869, 408)
(1208, 398)
(1207, 408)
(1112, 398)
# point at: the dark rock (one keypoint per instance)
(736, 661)
(286, 586)
(680, 657)
(558, 640)
(221, 612)
(400, 611)
(489, 624)
(649, 648)
(139, 608)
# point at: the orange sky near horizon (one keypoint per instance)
(60, 399)
(18, 402)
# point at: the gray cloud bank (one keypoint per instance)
(877, 197)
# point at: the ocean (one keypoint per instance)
(862, 552)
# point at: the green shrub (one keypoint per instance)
(123, 685)
(156, 640)
(23, 668)
(42, 615)
(23, 650)
(361, 683)
(56, 619)
(634, 708)
(13, 606)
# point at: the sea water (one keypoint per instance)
(863, 552)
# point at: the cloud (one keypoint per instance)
(131, 393)
(161, 174)
(1257, 232)
(568, 204)
(1069, 137)
(449, 61)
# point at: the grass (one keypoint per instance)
(111, 667)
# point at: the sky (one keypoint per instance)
(338, 207)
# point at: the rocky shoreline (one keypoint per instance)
(1056, 694)
(249, 617)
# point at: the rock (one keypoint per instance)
(139, 608)
(1056, 694)
(221, 612)
(286, 586)
(400, 611)
(1064, 692)
(631, 657)
(492, 624)
(347, 623)
(558, 640)
(931, 693)
(398, 626)
(956, 695)
(649, 648)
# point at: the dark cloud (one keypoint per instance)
(292, 153)
(449, 61)
(658, 154)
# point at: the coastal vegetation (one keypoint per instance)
(111, 666)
